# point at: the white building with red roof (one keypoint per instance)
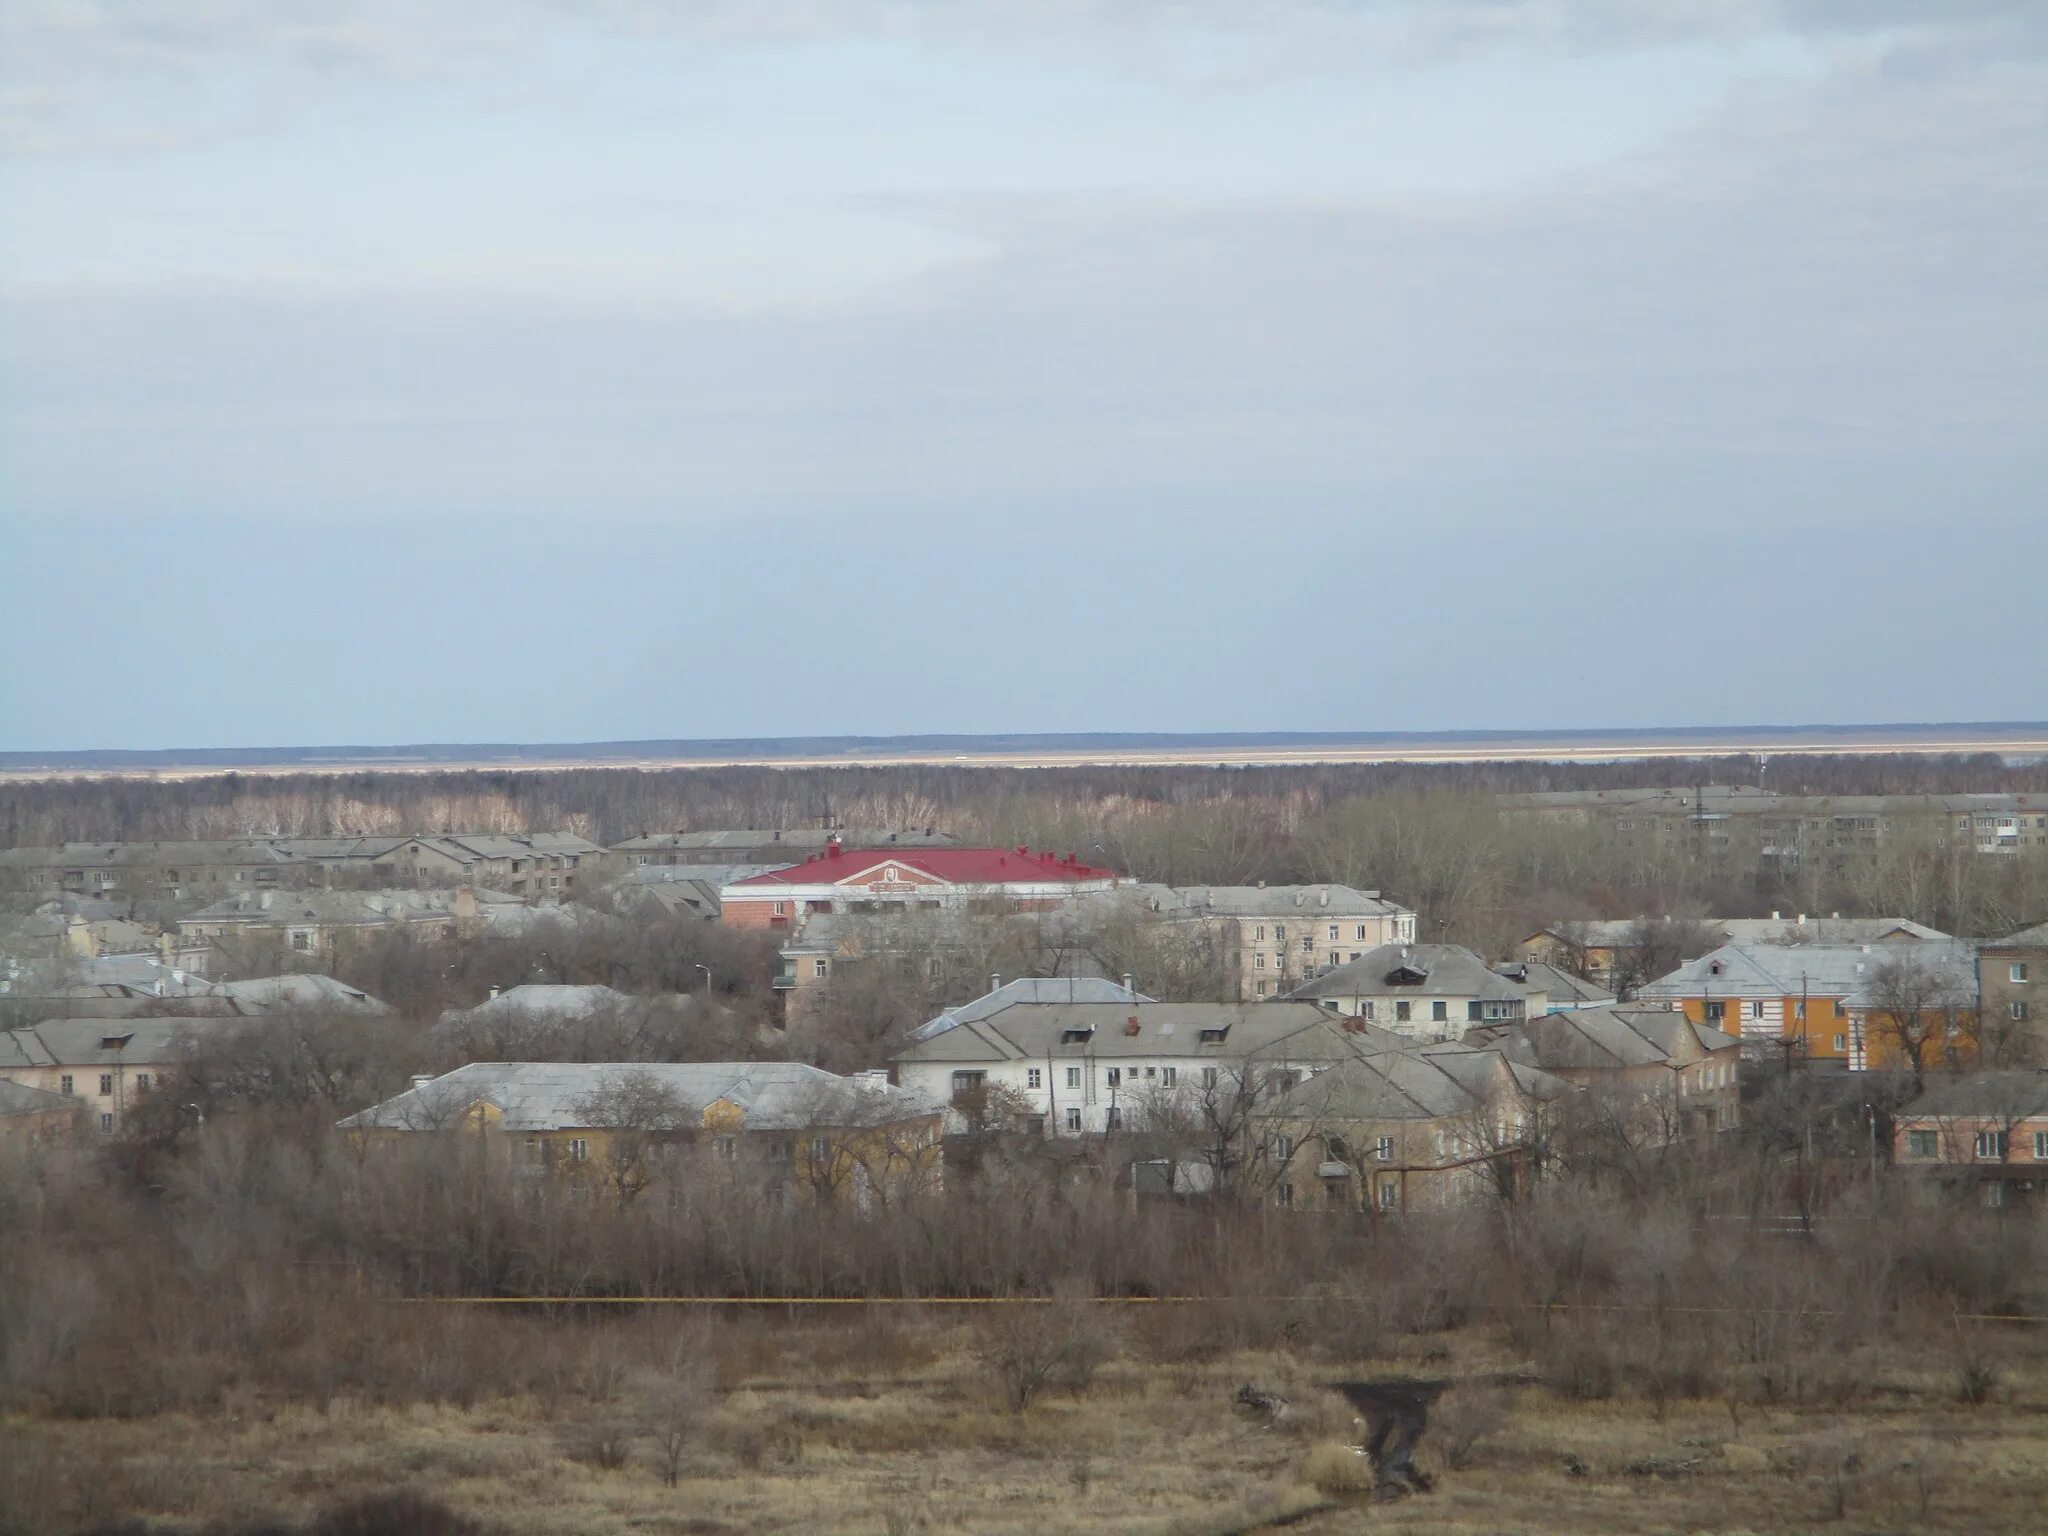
(886, 881)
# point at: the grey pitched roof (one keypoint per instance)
(1607, 1038)
(2010, 1094)
(20, 1099)
(1412, 1085)
(305, 990)
(540, 1000)
(799, 840)
(551, 1096)
(1845, 971)
(106, 1042)
(1059, 1030)
(1030, 989)
(1272, 901)
(1799, 929)
(337, 908)
(2035, 937)
(1557, 985)
(1445, 970)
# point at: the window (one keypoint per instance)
(302, 941)
(1259, 961)
(966, 1082)
(1259, 987)
(819, 1151)
(1366, 1009)
(2017, 971)
(1149, 1072)
(1439, 1011)
(1991, 1146)
(1259, 934)
(1921, 1144)
(1390, 1197)
(1383, 1149)
(2018, 1007)
(106, 1085)
(1073, 1118)
(1116, 1077)
(1403, 1011)
(821, 966)
(726, 1148)
(1280, 931)
(1169, 1076)
(1208, 1077)
(1472, 1012)
(1033, 1078)
(781, 908)
(142, 1082)
(1283, 1195)
(579, 1149)
(1333, 933)
(106, 1122)
(64, 1085)
(1335, 958)
(1360, 934)
(1841, 1042)
(1114, 1120)
(1756, 1008)
(1308, 945)
(2041, 1146)
(1073, 1077)
(1715, 1011)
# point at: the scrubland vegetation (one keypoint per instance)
(262, 1323)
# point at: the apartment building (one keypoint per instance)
(316, 924)
(2012, 988)
(1980, 1136)
(1829, 1002)
(883, 882)
(106, 1066)
(1091, 1068)
(1683, 1074)
(1423, 991)
(784, 1127)
(538, 865)
(1272, 938)
(1407, 1130)
(1604, 947)
(1740, 823)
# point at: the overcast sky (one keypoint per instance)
(544, 370)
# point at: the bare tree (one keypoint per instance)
(639, 1115)
(1922, 1008)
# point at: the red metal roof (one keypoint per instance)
(956, 866)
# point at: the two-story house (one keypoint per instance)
(1980, 1135)
(1422, 991)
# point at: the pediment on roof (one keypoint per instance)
(723, 1115)
(889, 877)
(1407, 976)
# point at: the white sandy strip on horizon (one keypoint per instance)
(1260, 757)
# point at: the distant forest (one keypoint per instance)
(610, 804)
(1431, 834)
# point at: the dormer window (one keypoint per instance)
(1215, 1036)
(1076, 1036)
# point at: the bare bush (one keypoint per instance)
(1030, 1347)
(1463, 1419)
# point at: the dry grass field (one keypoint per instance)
(899, 1425)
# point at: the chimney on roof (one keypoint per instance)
(421, 1079)
(1774, 914)
(1298, 898)
(995, 980)
(264, 901)
(1131, 1025)
(1129, 981)
(494, 992)
(1323, 898)
(1837, 916)
(1802, 920)
(1262, 885)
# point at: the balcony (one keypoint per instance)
(784, 981)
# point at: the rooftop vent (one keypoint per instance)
(1131, 1025)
